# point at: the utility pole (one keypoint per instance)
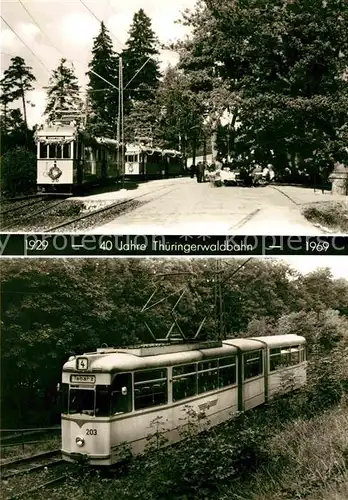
(119, 166)
(219, 300)
(122, 122)
(86, 109)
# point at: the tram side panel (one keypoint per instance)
(170, 424)
(253, 389)
(287, 370)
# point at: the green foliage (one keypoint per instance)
(157, 439)
(182, 112)
(283, 65)
(103, 98)
(18, 172)
(55, 308)
(332, 215)
(16, 82)
(141, 48)
(63, 91)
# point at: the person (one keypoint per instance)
(192, 171)
(199, 171)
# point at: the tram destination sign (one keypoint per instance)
(82, 379)
(90, 245)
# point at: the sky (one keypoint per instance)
(67, 30)
(305, 264)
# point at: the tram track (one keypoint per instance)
(24, 476)
(41, 486)
(14, 209)
(25, 217)
(118, 207)
(244, 220)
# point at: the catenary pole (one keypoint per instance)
(119, 166)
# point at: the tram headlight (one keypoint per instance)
(80, 441)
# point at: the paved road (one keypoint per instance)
(182, 206)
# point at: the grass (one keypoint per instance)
(308, 459)
(314, 465)
(333, 215)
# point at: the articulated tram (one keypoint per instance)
(112, 396)
(144, 162)
(68, 158)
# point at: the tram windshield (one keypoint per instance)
(54, 151)
(101, 401)
(81, 401)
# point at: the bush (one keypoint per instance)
(18, 172)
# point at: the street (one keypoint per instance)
(183, 206)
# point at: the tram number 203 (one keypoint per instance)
(91, 432)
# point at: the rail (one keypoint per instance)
(19, 437)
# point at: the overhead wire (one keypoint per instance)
(99, 21)
(58, 50)
(38, 26)
(23, 42)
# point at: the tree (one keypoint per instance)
(284, 64)
(18, 171)
(17, 81)
(181, 112)
(103, 98)
(63, 91)
(143, 118)
(141, 52)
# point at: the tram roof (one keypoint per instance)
(137, 148)
(281, 340)
(67, 133)
(123, 361)
(110, 360)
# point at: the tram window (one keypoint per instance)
(66, 150)
(207, 381)
(81, 401)
(150, 375)
(302, 354)
(150, 388)
(52, 150)
(121, 401)
(184, 387)
(294, 355)
(227, 371)
(231, 360)
(102, 401)
(227, 376)
(207, 376)
(275, 359)
(286, 356)
(252, 364)
(43, 150)
(64, 398)
(184, 381)
(207, 365)
(183, 369)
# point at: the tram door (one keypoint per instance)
(121, 393)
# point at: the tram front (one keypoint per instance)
(85, 413)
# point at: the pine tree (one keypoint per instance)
(5, 100)
(103, 98)
(63, 91)
(17, 81)
(141, 46)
